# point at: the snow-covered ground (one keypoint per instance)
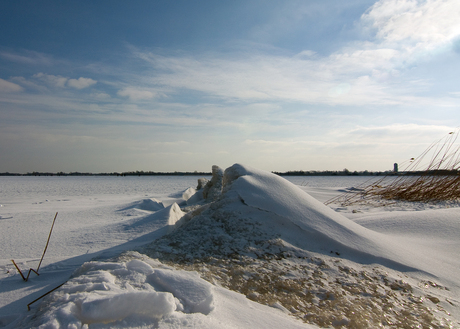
(249, 250)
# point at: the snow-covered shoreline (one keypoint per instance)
(404, 257)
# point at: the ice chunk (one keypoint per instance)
(195, 293)
(213, 188)
(119, 306)
(139, 266)
(201, 183)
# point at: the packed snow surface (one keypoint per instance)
(243, 249)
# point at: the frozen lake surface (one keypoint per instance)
(55, 186)
(404, 245)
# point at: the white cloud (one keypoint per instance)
(136, 94)
(52, 80)
(418, 30)
(427, 23)
(81, 83)
(9, 87)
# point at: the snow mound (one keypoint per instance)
(188, 193)
(306, 223)
(166, 219)
(150, 205)
(273, 194)
(282, 210)
(171, 214)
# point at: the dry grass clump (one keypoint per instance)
(325, 292)
(432, 177)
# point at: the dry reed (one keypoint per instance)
(26, 278)
(432, 177)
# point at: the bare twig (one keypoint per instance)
(43, 255)
(47, 242)
(28, 305)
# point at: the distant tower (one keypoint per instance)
(395, 167)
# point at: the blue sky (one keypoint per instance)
(102, 86)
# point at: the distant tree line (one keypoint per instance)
(128, 173)
(344, 172)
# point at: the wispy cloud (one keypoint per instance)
(9, 87)
(398, 131)
(28, 57)
(362, 73)
(42, 82)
